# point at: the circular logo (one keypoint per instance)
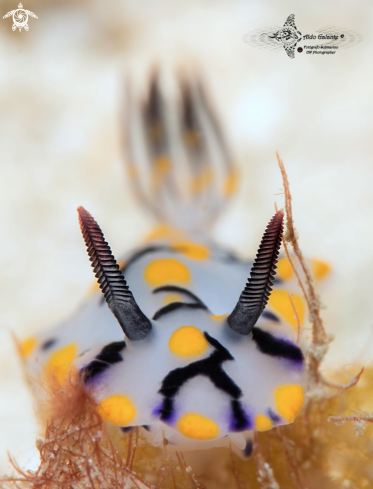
(20, 18)
(300, 50)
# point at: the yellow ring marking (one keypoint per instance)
(195, 251)
(166, 270)
(262, 422)
(284, 269)
(117, 409)
(280, 302)
(59, 364)
(289, 400)
(27, 346)
(196, 426)
(187, 341)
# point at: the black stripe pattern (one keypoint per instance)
(174, 306)
(180, 290)
(210, 367)
(109, 355)
(277, 347)
(144, 251)
(257, 291)
(272, 317)
(111, 280)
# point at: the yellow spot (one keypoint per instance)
(163, 231)
(218, 317)
(165, 271)
(230, 184)
(162, 166)
(27, 346)
(192, 138)
(202, 181)
(284, 269)
(117, 409)
(187, 341)
(280, 302)
(320, 269)
(262, 422)
(169, 298)
(199, 427)
(289, 400)
(59, 363)
(195, 251)
(96, 286)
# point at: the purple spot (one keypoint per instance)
(166, 411)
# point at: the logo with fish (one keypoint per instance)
(329, 39)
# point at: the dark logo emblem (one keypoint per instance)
(288, 36)
(327, 40)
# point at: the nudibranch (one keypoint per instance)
(198, 358)
(194, 359)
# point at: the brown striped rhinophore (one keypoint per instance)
(255, 296)
(112, 283)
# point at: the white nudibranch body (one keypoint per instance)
(192, 378)
(175, 342)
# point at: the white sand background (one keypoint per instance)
(61, 92)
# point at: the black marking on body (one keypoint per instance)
(276, 347)
(173, 306)
(111, 352)
(167, 408)
(272, 317)
(144, 251)
(210, 367)
(273, 416)
(48, 344)
(109, 355)
(239, 416)
(180, 290)
(90, 371)
(127, 429)
(248, 450)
